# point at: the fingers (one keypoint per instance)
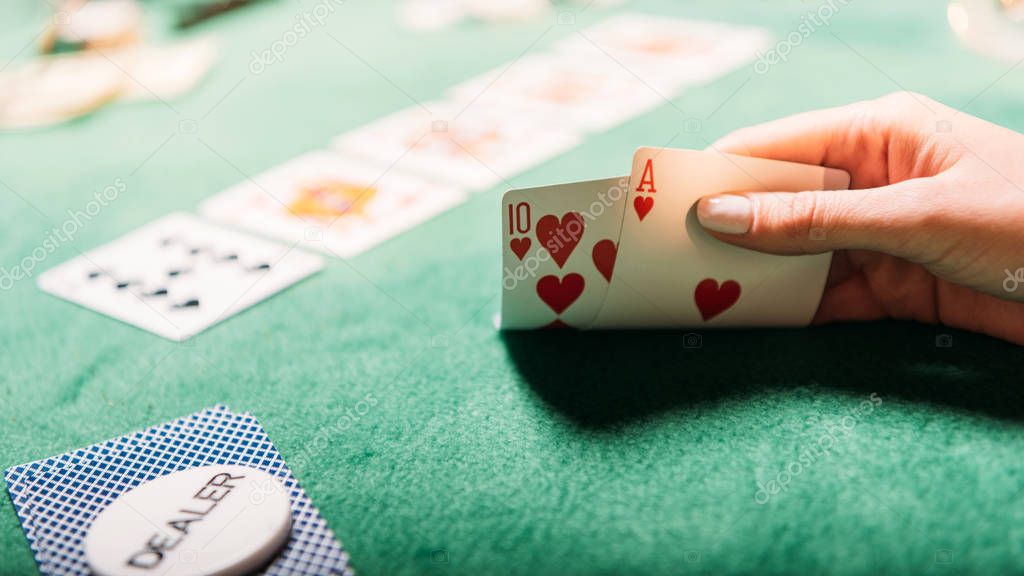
(808, 138)
(983, 313)
(887, 219)
(855, 137)
(849, 301)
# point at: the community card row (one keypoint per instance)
(399, 170)
(179, 275)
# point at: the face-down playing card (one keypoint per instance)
(644, 261)
(178, 275)
(671, 272)
(57, 499)
(558, 252)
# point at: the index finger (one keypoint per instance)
(852, 137)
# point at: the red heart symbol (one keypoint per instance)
(604, 253)
(712, 300)
(559, 294)
(556, 324)
(519, 246)
(643, 205)
(560, 238)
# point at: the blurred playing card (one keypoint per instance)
(471, 145)
(331, 203)
(178, 275)
(578, 89)
(659, 49)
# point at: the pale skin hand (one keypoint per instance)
(934, 217)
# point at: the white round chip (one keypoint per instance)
(429, 15)
(100, 22)
(508, 11)
(210, 520)
(990, 28)
(56, 88)
(164, 71)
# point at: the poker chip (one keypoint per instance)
(53, 89)
(220, 519)
(96, 24)
(430, 15)
(989, 28)
(511, 10)
(164, 71)
(56, 88)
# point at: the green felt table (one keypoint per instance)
(539, 453)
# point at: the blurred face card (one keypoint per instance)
(178, 275)
(671, 272)
(331, 203)
(593, 93)
(659, 49)
(559, 252)
(468, 144)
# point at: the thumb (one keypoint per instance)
(885, 219)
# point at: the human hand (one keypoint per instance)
(931, 230)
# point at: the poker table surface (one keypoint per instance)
(434, 444)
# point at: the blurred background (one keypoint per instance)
(228, 88)
(90, 89)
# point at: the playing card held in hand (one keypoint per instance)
(629, 252)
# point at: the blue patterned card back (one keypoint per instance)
(57, 499)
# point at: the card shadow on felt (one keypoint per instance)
(603, 379)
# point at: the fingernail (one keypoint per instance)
(726, 213)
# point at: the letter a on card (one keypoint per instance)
(644, 204)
